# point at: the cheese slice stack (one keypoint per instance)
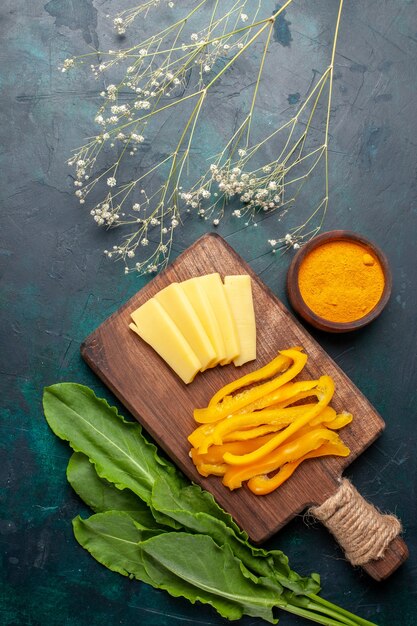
(200, 323)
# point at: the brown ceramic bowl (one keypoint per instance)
(301, 307)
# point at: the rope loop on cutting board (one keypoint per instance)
(361, 530)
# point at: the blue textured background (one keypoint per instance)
(56, 287)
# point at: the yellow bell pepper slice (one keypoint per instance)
(276, 366)
(235, 422)
(215, 454)
(253, 433)
(341, 420)
(207, 469)
(262, 485)
(288, 452)
(328, 415)
(326, 390)
(198, 435)
(283, 396)
(302, 395)
(218, 411)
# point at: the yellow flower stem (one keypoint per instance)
(321, 150)
(258, 80)
(329, 102)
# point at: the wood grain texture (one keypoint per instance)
(395, 555)
(164, 405)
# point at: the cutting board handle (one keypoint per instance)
(368, 537)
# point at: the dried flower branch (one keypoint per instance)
(175, 70)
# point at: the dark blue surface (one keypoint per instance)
(56, 287)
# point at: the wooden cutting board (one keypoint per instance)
(164, 405)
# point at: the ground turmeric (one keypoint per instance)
(341, 281)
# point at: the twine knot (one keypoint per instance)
(362, 531)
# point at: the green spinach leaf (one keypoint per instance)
(191, 566)
(197, 511)
(101, 495)
(112, 538)
(117, 448)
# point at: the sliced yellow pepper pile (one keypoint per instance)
(255, 430)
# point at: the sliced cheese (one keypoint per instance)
(180, 310)
(154, 325)
(239, 295)
(196, 294)
(216, 294)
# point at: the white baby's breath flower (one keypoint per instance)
(119, 25)
(67, 65)
(111, 92)
(152, 75)
(142, 104)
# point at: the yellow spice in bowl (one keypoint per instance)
(341, 281)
